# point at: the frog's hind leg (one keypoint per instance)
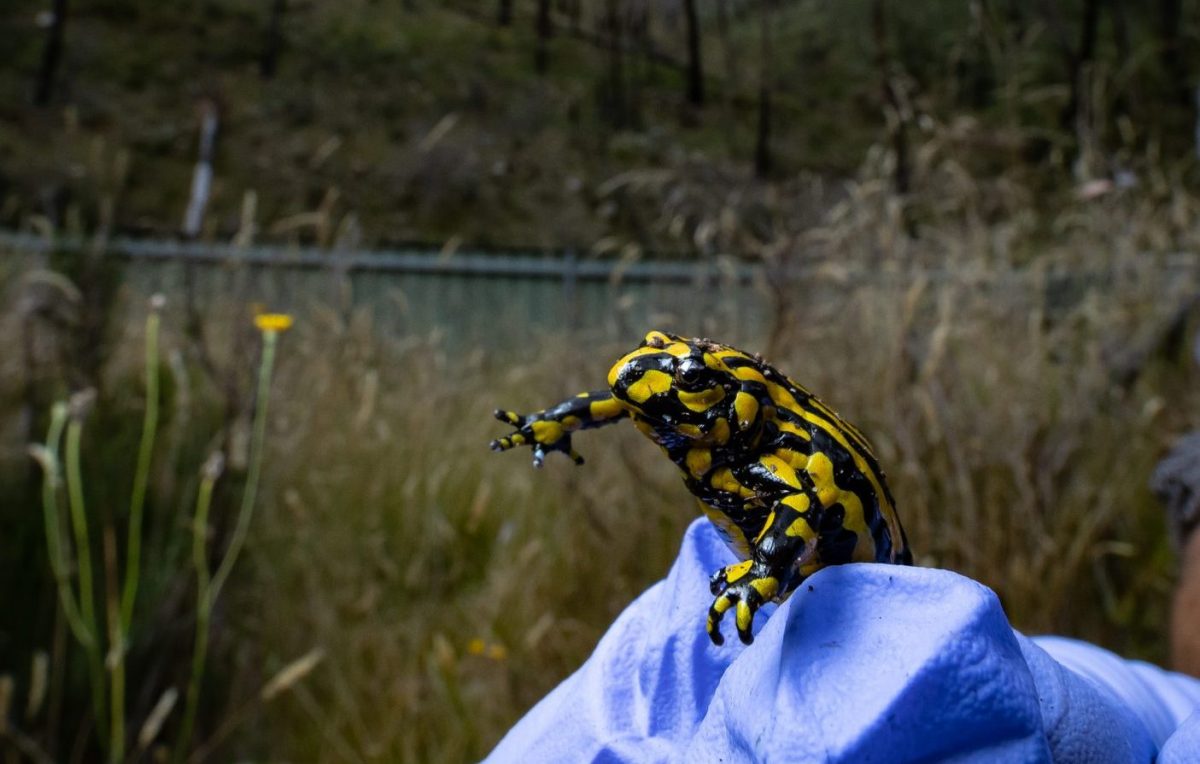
(783, 554)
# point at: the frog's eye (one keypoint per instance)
(689, 372)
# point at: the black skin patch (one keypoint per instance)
(745, 436)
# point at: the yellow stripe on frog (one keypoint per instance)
(652, 383)
(885, 506)
(605, 408)
(703, 400)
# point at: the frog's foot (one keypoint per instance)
(543, 435)
(742, 587)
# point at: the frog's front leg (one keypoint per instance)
(550, 429)
(783, 548)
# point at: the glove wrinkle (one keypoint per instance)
(864, 663)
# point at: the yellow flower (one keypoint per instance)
(476, 646)
(273, 322)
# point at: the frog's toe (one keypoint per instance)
(744, 618)
(510, 417)
(744, 603)
(715, 613)
(741, 593)
(508, 441)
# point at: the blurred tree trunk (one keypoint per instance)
(637, 20)
(545, 28)
(895, 106)
(1120, 24)
(1078, 115)
(695, 72)
(975, 68)
(51, 55)
(274, 42)
(1082, 66)
(729, 58)
(1078, 59)
(762, 139)
(732, 84)
(613, 97)
(504, 15)
(1171, 21)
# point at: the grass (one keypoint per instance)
(427, 591)
(103, 727)
(414, 549)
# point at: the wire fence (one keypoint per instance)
(498, 298)
(501, 298)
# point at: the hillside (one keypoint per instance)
(417, 120)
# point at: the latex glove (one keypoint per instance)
(863, 663)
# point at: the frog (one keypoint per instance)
(790, 485)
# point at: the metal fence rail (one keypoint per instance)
(500, 264)
(464, 296)
(477, 297)
(412, 261)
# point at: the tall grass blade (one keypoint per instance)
(249, 493)
(115, 660)
(211, 472)
(137, 500)
(47, 458)
(80, 404)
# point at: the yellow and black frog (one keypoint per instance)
(791, 486)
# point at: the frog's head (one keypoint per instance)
(679, 387)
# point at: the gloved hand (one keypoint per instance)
(863, 663)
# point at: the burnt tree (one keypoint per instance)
(762, 133)
(51, 54)
(545, 28)
(274, 39)
(895, 107)
(695, 67)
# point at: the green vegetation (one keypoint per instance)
(106, 655)
(985, 261)
(427, 591)
(424, 120)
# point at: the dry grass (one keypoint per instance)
(448, 588)
(395, 541)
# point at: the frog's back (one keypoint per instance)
(841, 457)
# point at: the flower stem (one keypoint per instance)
(47, 457)
(203, 603)
(115, 660)
(246, 511)
(137, 501)
(208, 589)
(87, 603)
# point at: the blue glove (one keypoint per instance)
(863, 663)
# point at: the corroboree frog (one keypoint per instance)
(791, 486)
